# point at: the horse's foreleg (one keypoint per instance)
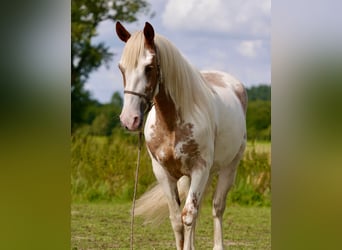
(175, 217)
(199, 179)
(170, 189)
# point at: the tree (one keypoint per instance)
(106, 116)
(116, 100)
(260, 92)
(259, 120)
(86, 56)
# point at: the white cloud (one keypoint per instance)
(232, 36)
(249, 48)
(238, 18)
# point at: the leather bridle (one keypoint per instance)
(148, 100)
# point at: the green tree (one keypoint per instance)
(106, 116)
(259, 120)
(86, 56)
(116, 100)
(260, 92)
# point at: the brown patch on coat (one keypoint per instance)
(214, 79)
(168, 131)
(195, 201)
(161, 147)
(217, 80)
(184, 134)
(184, 213)
(182, 244)
(162, 142)
(151, 71)
(241, 93)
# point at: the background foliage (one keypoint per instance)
(104, 156)
(87, 56)
(103, 118)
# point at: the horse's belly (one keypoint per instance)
(231, 130)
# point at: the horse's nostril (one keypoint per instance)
(136, 122)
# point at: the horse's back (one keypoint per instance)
(221, 81)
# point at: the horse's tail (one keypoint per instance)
(153, 205)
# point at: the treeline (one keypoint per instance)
(259, 113)
(101, 119)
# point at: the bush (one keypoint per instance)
(103, 168)
(259, 120)
(253, 181)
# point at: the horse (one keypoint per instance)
(195, 129)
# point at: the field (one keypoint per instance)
(102, 181)
(107, 226)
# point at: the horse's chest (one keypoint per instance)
(175, 151)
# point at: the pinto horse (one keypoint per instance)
(195, 128)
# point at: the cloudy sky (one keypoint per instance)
(227, 35)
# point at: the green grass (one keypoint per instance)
(102, 169)
(107, 226)
(260, 147)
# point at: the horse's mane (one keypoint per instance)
(185, 85)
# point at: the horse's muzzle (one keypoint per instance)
(132, 123)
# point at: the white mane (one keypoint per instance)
(185, 85)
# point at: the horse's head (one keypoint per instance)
(139, 66)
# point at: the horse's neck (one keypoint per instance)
(166, 113)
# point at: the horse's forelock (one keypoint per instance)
(133, 50)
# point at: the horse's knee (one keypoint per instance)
(218, 208)
(189, 214)
(176, 223)
(190, 209)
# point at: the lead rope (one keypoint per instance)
(135, 188)
(150, 104)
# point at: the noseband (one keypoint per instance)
(147, 97)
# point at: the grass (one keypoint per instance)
(107, 226)
(260, 147)
(102, 169)
(102, 185)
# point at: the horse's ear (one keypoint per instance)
(122, 33)
(149, 33)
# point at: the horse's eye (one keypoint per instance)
(148, 69)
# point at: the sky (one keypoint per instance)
(231, 36)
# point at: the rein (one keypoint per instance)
(135, 188)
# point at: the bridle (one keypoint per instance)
(149, 97)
